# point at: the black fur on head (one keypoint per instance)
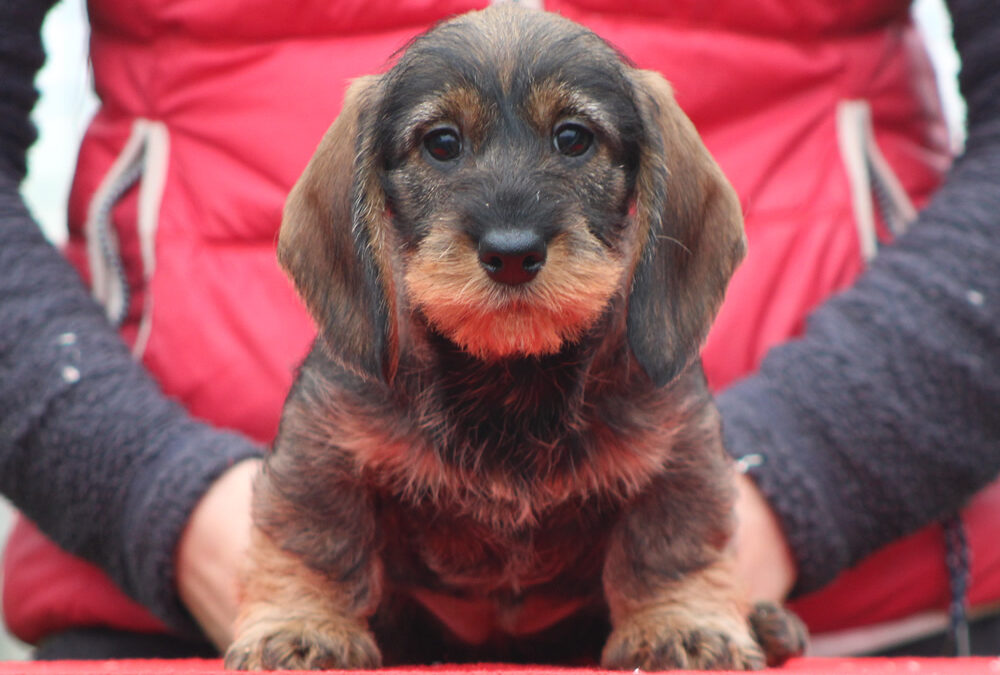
(517, 138)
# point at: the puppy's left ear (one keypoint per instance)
(690, 228)
(333, 241)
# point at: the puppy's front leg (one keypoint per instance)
(674, 600)
(314, 575)
(294, 618)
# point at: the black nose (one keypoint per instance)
(512, 256)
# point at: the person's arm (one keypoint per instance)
(885, 416)
(90, 449)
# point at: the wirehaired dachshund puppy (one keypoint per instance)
(501, 446)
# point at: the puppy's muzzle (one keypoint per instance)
(512, 256)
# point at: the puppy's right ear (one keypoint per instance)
(333, 241)
(691, 225)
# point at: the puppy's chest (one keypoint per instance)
(508, 448)
(438, 548)
(517, 499)
(481, 578)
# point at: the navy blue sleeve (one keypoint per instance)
(90, 449)
(885, 415)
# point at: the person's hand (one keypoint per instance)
(764, 563)
(211, 552)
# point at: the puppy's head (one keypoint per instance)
(505, 180)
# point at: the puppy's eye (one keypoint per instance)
(572, 138)
(443, 144)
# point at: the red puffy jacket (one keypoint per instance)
(218, 105)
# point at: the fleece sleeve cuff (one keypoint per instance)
(760, 435)
(161, 502)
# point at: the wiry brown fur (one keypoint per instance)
(302, 619)
(469, 469)
(443, 279)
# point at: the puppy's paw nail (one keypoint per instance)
(660, 643)
(779, 632)
(306, 649)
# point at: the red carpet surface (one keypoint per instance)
(813, 666)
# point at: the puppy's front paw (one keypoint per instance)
(303, 645)
(665, 640)
(779, 632)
